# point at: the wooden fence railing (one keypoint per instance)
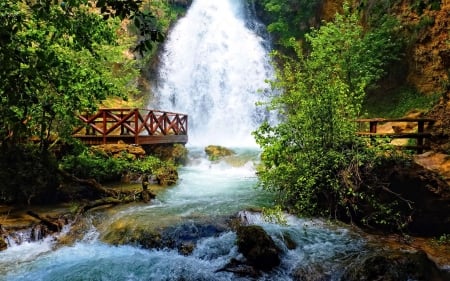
(419, 135)
(138, 126)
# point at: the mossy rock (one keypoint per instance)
(167, 175)
(216, 152)
(176, 153)
(120, 150)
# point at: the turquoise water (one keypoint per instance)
(207, 191)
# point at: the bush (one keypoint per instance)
(313, 159)
(103, 168)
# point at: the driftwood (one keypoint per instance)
(94, 185)
(52, 226)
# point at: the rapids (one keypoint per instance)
(207, 194)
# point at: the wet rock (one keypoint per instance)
(311, 273)
(392, 266)
(3, 244)
(289, 242)
(216, 152)
(257, 247)
(189, 233)
(167, 175)
(241, 269)
(186, 249)
(182, 237)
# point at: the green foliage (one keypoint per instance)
(56, 60)
(312, 158)
(274, 215)
(444, 239)
(288, 18)
(398, 104)
(103, 168)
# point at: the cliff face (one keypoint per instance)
(429, 53)
(426, 25)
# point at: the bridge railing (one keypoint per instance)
(419, 135)
(112, 124)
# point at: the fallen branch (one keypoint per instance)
(54, 227)
(91, 183)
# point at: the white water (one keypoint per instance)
(214, 69)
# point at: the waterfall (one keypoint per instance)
(213, 68)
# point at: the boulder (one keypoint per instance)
(391, 266)
(257, 247)
(177, 153)
(429, 195)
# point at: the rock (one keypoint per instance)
(120, 150)
(186, 249)
(289, 242)
(430, 198)
(241, 269)
(167, 175)
(147, 195)
(257, 247)
(216, 152)
(392, 266)
(177, 153)
(312, 272)
(3, 244)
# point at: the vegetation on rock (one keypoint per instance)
(216, 152)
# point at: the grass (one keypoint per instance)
(397, 104)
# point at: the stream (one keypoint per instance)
(208, 193)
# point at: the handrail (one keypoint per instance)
(132, 122)
(420, 135)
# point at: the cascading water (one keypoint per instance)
(214, 69)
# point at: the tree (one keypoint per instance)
(310, 156)
(58, 58)
(288, 18)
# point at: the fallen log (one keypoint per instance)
(54, 227)
(91, 183)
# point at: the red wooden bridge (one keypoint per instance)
(132, 126)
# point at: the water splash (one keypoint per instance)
(214, 68)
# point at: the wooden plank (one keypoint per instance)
(163, 139)
(395, 135)
(394, 120)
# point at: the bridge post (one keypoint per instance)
(420, 130)
(104, 126)
(136, 126)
